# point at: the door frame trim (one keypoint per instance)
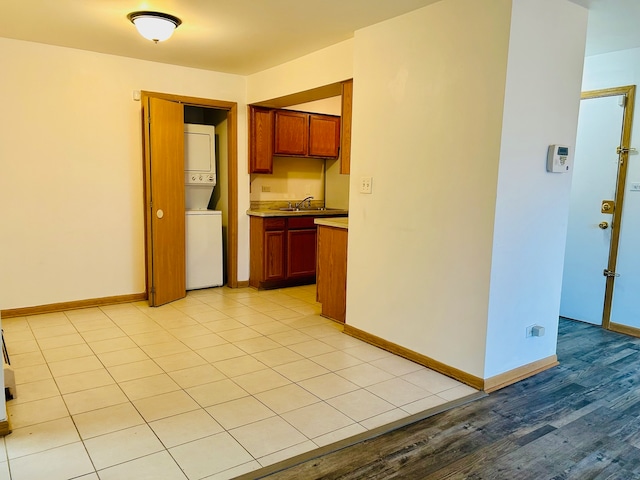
(628, 92)
(232, 162)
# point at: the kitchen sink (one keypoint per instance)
(311, 209)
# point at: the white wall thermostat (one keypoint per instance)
(558, 159)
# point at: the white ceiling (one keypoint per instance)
(246, 36)
(613, 25)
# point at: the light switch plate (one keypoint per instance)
(366, 185)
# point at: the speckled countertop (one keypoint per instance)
(272, 209)
(330, 212)
(339, 222)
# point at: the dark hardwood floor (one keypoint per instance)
(579, 420)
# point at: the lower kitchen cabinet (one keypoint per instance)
(301, 256)
(274, 255)
(282, 251)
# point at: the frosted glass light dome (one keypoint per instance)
(154, 26)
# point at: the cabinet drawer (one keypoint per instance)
(301, 222)
(274, 223)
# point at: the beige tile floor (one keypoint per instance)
(216, 385)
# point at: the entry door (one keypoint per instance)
(164, 158)
(592, 236)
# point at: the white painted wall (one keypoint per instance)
(429, 91)
(605, 71)
(427, 117)
(541, 108)
(71, 169)
(324, 67)
(328, 106)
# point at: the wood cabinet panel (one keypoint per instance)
(345, 124)
(275, 223)
(274, 248)
(256, 249)
(331, 275)
(260, 140)
(301, 222)
(301, 253)
(291, 133)
(324, 136)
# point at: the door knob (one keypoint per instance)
(160, 214)
(603, 225)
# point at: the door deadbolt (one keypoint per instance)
(603, 225)
(607, 206)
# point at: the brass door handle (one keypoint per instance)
(603, 225)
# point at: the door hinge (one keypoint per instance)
(621, 150)
(152, 291)
(609, 273)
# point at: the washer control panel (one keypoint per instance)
(199, 179)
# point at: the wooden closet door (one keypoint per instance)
(165, 209)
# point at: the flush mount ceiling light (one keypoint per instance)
(154, 26)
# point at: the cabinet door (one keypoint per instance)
(273, 260)
(301, 256)
(261, 140)
(291, 133)
(324, 136)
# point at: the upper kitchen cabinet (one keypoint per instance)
(304, 134)
(261, 140)
(324, 136)
(291, 133)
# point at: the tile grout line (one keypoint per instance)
(164, 327)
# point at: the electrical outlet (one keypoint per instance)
(366, 184)
(535, 331)
(266, 188)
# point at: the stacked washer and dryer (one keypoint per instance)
(203, 227)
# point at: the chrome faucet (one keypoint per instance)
(301, 202)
